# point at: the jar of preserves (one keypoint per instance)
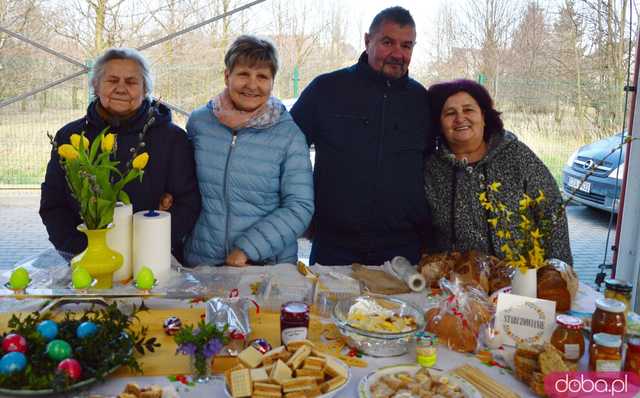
(606, 356)
(619, 290)
(426, 351)
(567, 337)
(632, 361)
(609, 317)
(294, 321)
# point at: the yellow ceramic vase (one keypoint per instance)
(98, 259)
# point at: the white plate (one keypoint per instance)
(364, 387)
(327, 395)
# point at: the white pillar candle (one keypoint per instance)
(119, 239)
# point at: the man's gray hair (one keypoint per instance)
(252, 50)
(122, 53)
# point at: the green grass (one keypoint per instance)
(25, 148)
(553, 142)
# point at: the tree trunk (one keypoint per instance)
(100, 7)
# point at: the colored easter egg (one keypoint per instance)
(12, 362)
(145, 279)
(14, 342)
(58, 350)
(48, 329)
(71, 367)
(86, 329)
(19, 279)
(80, 278)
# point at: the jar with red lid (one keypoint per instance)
(609, 317)
(567, 337)
(632, 361)
(294, 321)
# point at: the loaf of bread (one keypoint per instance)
(551, 286)
(450, 331)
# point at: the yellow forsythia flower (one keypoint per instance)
(493, 221)
(525, 202)
(487, 205)
(540, 197)
(495, 185)
(107, 142)
(482, 196)
(536, 234)
(140, 161)
(68, 152)
(506, 250)
(77, 138)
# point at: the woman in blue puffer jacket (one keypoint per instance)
(253, 167)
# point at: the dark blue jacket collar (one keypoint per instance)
(133, 124)
(364, 69)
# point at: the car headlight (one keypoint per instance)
(618, 172)
(572, 158)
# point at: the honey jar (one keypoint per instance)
(606, 356)
(567, 337)
(294, 322)
(609, 317)
(632, 360)
(618, 290)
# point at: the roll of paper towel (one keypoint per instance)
(152, 243)
(119, 239)
(402, 269)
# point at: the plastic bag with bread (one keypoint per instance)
(470, 268)
(557, 281)
(459, 316)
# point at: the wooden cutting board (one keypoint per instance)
(165, 362)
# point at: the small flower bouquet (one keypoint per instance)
(94, 180)
(201, 344)
(523, 246)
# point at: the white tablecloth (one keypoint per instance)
(447, 360)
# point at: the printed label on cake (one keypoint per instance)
(572, 351)
(293, 334)
(603, 365)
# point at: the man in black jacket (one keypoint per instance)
(370, 125)
(122, 85)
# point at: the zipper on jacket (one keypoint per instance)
(372, 216)
(234, 138)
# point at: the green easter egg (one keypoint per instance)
(19, 278)
(145, 279)
(80, 278)
(58, 350)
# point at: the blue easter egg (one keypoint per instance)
(86, 329)
(48, 329)
(12, 362)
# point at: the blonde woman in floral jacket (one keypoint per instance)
(474, 152)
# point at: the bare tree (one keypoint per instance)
(490, 24)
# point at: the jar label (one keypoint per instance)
(293, 334)
(603, 365)
(572, 351)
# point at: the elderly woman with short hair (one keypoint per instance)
(472, 152)
(253, 167)
(122, 86)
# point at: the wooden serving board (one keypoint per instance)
(165, 362)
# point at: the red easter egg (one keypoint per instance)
(71, 367)
(14, 343)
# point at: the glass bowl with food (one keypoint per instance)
(378, 326)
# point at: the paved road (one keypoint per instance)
(22, 233)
